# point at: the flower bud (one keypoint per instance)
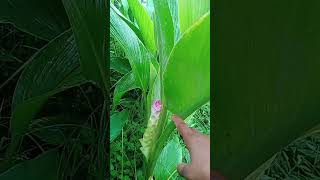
(156, 109)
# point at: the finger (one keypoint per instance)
(185, 170)
(195, 131)
(183, 129)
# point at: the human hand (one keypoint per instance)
(199, 148)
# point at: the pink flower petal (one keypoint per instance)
(157, 106)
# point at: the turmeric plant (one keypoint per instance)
(168, 48)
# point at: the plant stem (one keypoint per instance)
(159, 146)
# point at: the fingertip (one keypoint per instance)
(182, 169)
(173, 117)
(176, 118)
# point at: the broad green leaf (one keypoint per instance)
(117, 121)
(129, 23)
(138, 55)
(170, 157)
(150, 8)
(53, 135)
(187, 75)
(42, 167)
(266, 80)
(44, 19)
(57, 130)
(53, 69)
(125, 84)
(190, 11)
(88, 19)
(145, 24)
(125, 6)
(164, 30)
(174, 10)
(120, 65)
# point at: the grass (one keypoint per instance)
(300, 160)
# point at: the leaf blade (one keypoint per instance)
(87, 19)
(39, 18)
(145, 24)
(117, 121)
(52, 70)
(190, 11)
(135, 51)
(125, 84)
(185, 93)
(168, 160)
(269, 104)
(164, 30)
(42, 167)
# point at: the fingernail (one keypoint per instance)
(173, 117)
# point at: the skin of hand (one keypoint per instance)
(199, 148)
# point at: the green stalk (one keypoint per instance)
(158, 145)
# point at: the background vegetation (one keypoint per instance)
(66, 133)
(66, 123)
(126, 157)
(298, 161)
(53, 90)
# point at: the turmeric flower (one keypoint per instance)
(150, 132)
(156, 109)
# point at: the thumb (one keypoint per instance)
(184, 170)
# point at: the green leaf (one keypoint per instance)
(117, 121)
(129, 23)
(190, 11)
(187, 76)
(44, 19)
(135, 51)
(164, 30)
(88, 19)
(145, 24)
(174, 10)
(168, 160)
(125, 84)
(53, 135)
(150, 8)
(120, 65)
(60, 129)
(125, 6)
(42, 167)
(266, 81)
(53, 69)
